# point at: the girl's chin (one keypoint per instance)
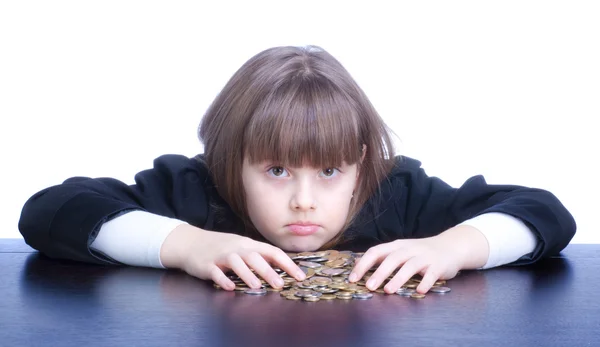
(301, 246)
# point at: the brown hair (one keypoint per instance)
(295, 106)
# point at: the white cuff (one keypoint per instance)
(508, 237)
(135, 238)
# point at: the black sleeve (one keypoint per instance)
(62, 221)
(426, 206)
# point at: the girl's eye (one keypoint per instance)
(277, 171)
(329, 172)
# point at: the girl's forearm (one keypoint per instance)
(471, 246)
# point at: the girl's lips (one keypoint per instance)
(303, 230)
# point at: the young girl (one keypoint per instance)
(296, 159)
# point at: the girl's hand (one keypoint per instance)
(434, 258)
(208, 255)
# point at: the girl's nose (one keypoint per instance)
(303, 199)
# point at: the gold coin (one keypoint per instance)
(417, 296)
(338, 285)
(293, 297)
(337, 263)
(351, 287)
(343, 295)
(344, 298)
(328, 297)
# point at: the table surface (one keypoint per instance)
(50, 302)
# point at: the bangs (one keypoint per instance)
(309, 122)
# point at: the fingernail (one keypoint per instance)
(279, 282)
(353, 277)
(301, 275)
(371, 283)
(256, 284)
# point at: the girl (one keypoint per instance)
(296, 159)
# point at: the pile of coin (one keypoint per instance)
(327, 279)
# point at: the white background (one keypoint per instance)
(507, 89)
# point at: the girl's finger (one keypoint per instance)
(263, 269)
(408, 270)
(219, 278)
(278, 258)
(431, 275)
(237, 264)
(387, 267)
(371, 257)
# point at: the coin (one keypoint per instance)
(310, 264)
(440, 290)
(328, 297)
(362, 296)
(332, 272)
(311, 298)
(321, 280)
(326, 290)
(327, 279)
(261, 291)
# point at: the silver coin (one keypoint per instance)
(326, 290)
(261, 291)
(405, 291)
(320, 280)
(362, 296)
(310, 264)
(440, 290)
(306, 292)
(305, 257)
(319, 260)
(305, 285)
(333, 272)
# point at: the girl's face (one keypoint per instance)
(298, 209)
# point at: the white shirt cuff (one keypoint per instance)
(508, 237)
(135, 238)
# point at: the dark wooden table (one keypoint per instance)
(46, 302)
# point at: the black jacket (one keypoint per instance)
(62, 221)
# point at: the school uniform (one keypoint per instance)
(105, 221)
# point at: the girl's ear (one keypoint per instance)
(364, 151)
(362, 157)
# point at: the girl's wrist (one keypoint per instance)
(469, 245)
(176, 247)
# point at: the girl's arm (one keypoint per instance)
(414, 205)
(63, 221)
